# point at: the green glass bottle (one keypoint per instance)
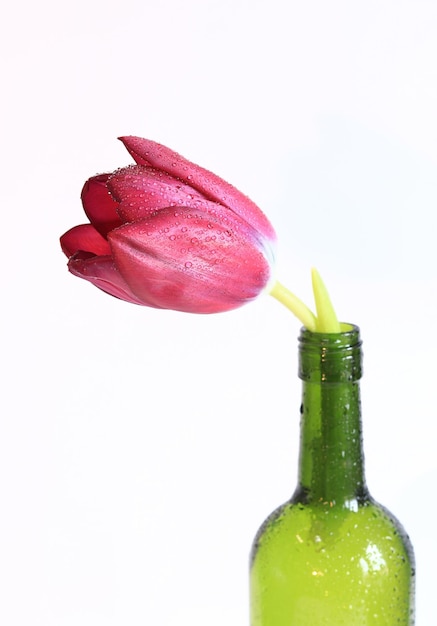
(331, 556)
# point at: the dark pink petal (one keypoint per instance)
(99, 206)
(146, 152)
(86, 238)
(142, 190)
(101, 272)
(191, 261)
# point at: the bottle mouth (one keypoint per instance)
(346, 327)
(330, 357)
(349, 335)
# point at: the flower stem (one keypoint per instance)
(295, 305)
(327, 321)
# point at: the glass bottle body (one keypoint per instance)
(331, 555)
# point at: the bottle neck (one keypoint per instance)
(331, 462)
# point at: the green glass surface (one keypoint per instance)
(331, 555)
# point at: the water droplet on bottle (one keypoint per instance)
(188, 264)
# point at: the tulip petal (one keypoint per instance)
(86, 238)
(99, 206)
(147, 152)
(190, 261)
(102, 272)
(142, 190)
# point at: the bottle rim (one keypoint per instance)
(330, 357)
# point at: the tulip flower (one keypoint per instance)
(166, 233)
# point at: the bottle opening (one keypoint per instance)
(330, 357)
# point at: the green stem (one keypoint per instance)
(295, 305)
(327, 321)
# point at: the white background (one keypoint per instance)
(141, 449)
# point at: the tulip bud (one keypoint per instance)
(169, 234)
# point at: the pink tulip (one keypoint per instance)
(167, 233)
